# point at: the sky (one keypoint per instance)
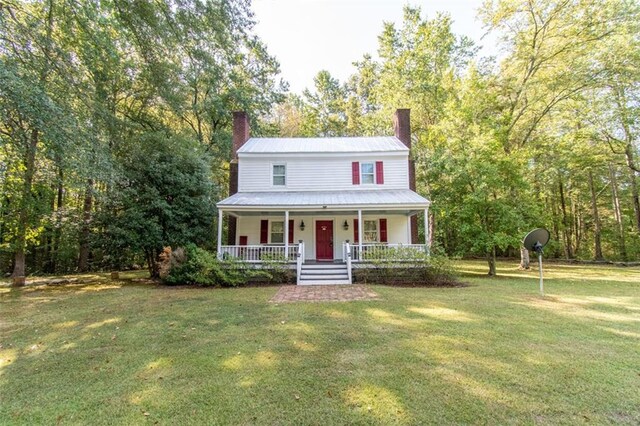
(307, 36)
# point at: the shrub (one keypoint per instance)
(193, 265)
(275, 269)
(406, 266)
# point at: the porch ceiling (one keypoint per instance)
(399, 201)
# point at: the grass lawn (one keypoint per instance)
(493, 352)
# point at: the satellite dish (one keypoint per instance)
(535, 242)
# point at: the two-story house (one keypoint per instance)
(320, 202)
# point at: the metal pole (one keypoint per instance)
(540, 268)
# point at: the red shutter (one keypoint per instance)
(355, 173)
(264, 231)
(383, 230)
(243, 240)
(379, 173)
(290, 231)
(355, 230)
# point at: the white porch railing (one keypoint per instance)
(260, 253)
(299, 260)
(346, 250)
(381, 251)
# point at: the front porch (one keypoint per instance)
(297, 228)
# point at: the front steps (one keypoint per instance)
(324, 273)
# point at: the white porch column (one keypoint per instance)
(219, 234)
(360, 234)
(426, 229)
(286, 235)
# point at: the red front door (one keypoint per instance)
(324, 240)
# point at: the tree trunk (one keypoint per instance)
(29, 164)
(154, 270)
(23, 218)
(556, 227)
(597, 247)
(57, 229)
(565, 223)
(83, 258)
(491, 258)
(576, 217)
(524, 258)
(47, 261)
(617, 212)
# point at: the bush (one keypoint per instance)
(406, 266)
(193, 265)
(275, 269)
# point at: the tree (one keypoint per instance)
(475, 184)
(83, 83)
(165, 197)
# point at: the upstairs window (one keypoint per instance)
(277, 232)
(367, 173)
(279, 175)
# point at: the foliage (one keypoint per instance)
(275, 269)
(546, 136)
(193, 265)
(406, 266)
(163, 198)
(85, 88)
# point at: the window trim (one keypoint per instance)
(373, 172)
(273, 164)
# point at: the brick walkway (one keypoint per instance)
(323, 293)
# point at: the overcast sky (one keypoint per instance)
(311, 35)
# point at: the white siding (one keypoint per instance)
(397, 230)
(320, 173)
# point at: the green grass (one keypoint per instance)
(493, 352)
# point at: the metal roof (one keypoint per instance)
(330, 199)
(328, 145)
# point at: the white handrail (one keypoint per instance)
(257, 253)
(299, 260)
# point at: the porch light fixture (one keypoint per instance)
(346, 225)
(302, 225)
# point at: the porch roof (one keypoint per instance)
(390, 199)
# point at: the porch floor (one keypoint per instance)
(323, 293)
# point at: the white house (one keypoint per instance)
(321, 203)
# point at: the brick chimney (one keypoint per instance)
(402, 130)
(241, 133)
(402, 126)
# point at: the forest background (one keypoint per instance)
(115, 125)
